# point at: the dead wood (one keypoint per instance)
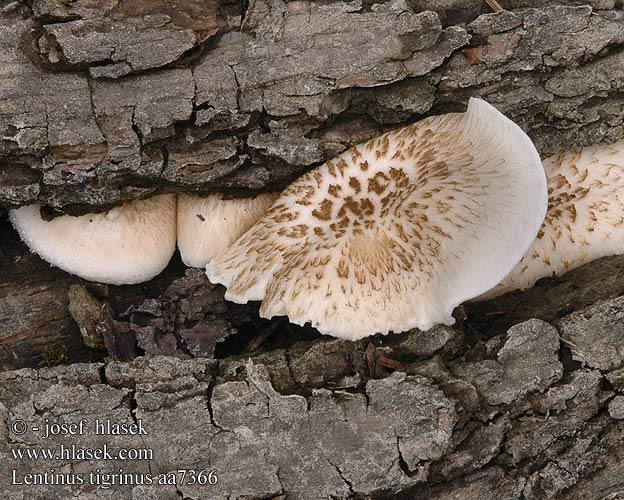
(106, 101)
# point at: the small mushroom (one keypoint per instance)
(585, 217)
(208, 225)
(129, 244)
(395, 232)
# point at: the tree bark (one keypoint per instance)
(107, 101)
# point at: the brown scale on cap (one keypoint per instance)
(395, 232)
(585, 217)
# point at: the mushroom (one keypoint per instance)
(396, 232)
(585, 217)
(129, 244)
(208, 225)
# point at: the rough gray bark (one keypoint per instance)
(125, 99)
(515, 416)
(106, 101)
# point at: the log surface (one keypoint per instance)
(108, 101)
(112, 100)
(535, 412)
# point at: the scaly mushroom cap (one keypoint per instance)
(396, 232)
(208, 225)
(128, 244)
(585, 218)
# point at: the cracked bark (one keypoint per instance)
(102, 102)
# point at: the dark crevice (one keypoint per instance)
(209, 393)
(102, 374)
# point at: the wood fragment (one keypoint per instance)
(496, 7)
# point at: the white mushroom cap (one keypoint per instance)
(208, 225)
(128, 244)
(396, 232)
(585, 218)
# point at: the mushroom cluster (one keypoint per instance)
(396, 232)
(135, 242)
(392, 234)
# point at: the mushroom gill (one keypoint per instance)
(129, 244)
(395, 232)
